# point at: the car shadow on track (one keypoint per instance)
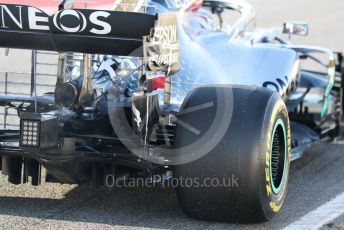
(134, 207)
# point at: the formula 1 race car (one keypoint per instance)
(177, 93)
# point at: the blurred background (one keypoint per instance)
(325, 19)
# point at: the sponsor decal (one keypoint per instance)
(69, 21)
(51, 6)
(79, 16)
(161, 48)
(96, 19)
(166, 34)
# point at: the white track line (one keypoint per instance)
(320, 216)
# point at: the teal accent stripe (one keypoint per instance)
(332, 73)
(325, 106)
(281, 123)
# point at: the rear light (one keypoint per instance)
(30, 133)
(39, 131)
(155, 83)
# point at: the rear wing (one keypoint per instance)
(95, 32)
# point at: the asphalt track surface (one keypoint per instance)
(315, 179)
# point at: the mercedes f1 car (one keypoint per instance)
(172, 91)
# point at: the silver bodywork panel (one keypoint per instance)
(225, 62)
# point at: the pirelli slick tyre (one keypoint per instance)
(249, 166)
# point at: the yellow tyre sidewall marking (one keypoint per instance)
(279, 107)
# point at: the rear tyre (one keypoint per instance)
(244, 178)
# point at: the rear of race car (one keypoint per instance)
(118, 123)
(75, 132)
(111, 118)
